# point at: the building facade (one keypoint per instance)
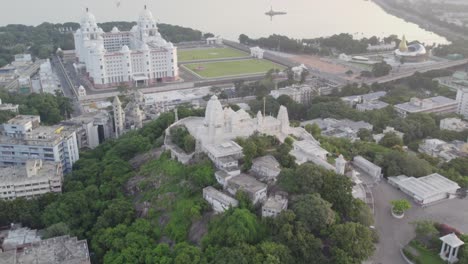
(137, 57)
(35, 178)
(462, 102)
(22, 138)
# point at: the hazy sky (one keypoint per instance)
(229, 18)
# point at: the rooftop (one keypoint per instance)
(267, 161)
(22, 120)
(427, 186)
(220, 196)
(367, 163)
(417, 105)
(276, 202)
(58, 250)
(41, 136)
(247, 183)
(224, 149)
(33, 169)
(452, 240)
(19, 237)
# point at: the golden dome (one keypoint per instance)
(403, 46)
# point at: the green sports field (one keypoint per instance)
(232, 68)
(209, 54)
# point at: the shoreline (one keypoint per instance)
(449, 34)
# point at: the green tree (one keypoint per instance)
(390, 140)
(365, 135)
(234, 227)
(312, 210)
(426, 232)
(381, 69)
(351, 241)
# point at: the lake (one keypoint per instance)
(229, 18)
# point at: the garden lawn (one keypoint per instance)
(209, 54)
(426, 256)
(232, 68)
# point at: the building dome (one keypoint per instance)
(115, 30)
(146, 15)
(125, 48)
(88, 18)
(214, 114)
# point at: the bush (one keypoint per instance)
(400, 206)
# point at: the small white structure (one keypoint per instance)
(256, 190)
(257, 52)
(274, 206)
(368, 167)
(218, 200)
(307, 151)
(214, 41)
(225, 156)
(427, 189)
(378, 137)
(266, 168)
(450, 246)
(9, 107)
(223, 177)
(344, 57)
(298, 70)
(81, 91)
(340, 165)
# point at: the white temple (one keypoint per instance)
(216, 131)
(136, 57)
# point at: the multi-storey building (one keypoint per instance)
(35, 178)
(137, 57)
(22, 138)
(462, 102)
(437, 105)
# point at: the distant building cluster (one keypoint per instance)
(214, 135)
(16, 76)
(344, 128)
(444, 150)
(366, 102)
(137, 57)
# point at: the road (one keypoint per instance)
(407, 73)
(68, 85)
(394, 233)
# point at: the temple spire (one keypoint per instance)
(87, 10)
(145, 7)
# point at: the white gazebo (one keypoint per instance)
(450, 246)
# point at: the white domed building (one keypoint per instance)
(140, 57)
(415, 52)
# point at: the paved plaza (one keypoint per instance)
(395, 233)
